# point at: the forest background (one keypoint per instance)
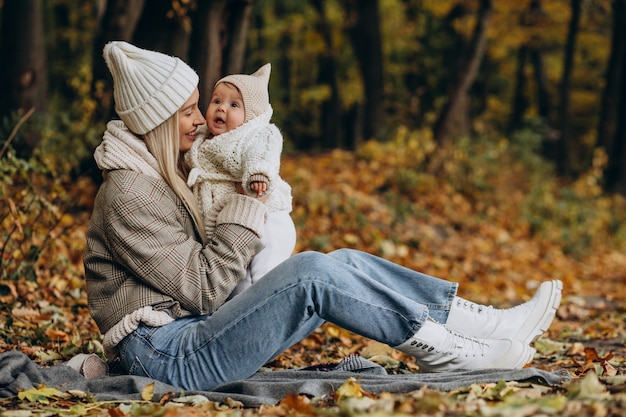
(479, 141)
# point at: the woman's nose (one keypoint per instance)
(200, 120)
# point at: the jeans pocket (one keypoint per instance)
(136, 368)
(130, 350)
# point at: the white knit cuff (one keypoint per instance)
(129, 324)
(245, 211)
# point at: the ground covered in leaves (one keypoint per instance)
(489, 216)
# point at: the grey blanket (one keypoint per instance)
(17, 371)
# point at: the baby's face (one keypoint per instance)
(225, 111)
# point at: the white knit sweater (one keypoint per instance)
(218, 162)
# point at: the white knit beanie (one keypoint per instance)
(148, 86)
(253, 89)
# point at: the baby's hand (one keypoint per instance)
(240, 190)
(259, 187)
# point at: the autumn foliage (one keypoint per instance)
(487, 213)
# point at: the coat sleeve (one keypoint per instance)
(148, 234)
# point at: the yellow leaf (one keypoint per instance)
(41, 394)
(148, 392)
(78, 410)
(350, 389)
(48, 356)
(67, 220)
(351, 239)
(332, 331)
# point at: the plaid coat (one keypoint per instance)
(143, 249)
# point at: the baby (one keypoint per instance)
(243, 147)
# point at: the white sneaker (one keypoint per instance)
(525, 322)
(439, 349)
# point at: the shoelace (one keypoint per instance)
(463, 345)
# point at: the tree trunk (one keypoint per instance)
(331, 107)
(612, 128)
(364, 30)
(205, 54)
(530, 51)
(534, 21)
(453, 118)
(541, 82)
(617, 180)
(218, 41)
(118, 23)
(164, 29)
(520, 101)
(239, 13)
(23, 73)
(571, 149)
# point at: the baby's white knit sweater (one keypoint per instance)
(218, 162)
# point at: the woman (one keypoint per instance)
(157, 287)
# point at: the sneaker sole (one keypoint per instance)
(530, 355)
(550, 297)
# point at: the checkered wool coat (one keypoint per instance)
(143, 249)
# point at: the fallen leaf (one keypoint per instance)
(588, 387)
(25, 313)
(41, 394)
(48, 356)
(298, 403)
(577, 348)
(350, 389)
(147, 392)
(57, 335)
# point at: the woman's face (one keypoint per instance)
(189, 118)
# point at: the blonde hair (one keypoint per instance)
(163, 142)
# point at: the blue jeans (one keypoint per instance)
(354, 290)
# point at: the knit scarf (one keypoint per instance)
(121, 149)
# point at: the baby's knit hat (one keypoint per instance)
(148, 86)
(253, 89)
